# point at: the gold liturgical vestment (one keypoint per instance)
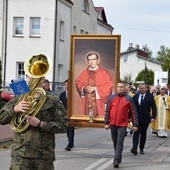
(91, 97)
(162, 122)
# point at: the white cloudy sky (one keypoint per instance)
(139, 21)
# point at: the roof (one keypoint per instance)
(101, 14)
(153, 60)
(141, 54)
(130, 50)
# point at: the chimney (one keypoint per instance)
(137, 46)
(130, 46)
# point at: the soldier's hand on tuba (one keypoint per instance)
(34, 121)
(22, 106)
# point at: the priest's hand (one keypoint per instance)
(152, 120)
(89, 89)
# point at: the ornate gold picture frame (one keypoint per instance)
(88, 90)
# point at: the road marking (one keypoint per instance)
(105, 165)
(95, 164)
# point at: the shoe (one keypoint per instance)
(68, 149)
(154, 132)
(116, 164)
(164, 136)
(72, 146)
(134, 151)
(119, 161)
(142, 152)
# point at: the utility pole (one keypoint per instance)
(55, 44)
(4, 40)
(145, 73)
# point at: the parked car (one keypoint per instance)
(6, 94)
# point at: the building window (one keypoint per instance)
(100, 16)
(85, 6)
(62, 30)
(35, 26)
(164, 80)
(126, 59)
(18, 26)
(140, 60)
(20, 70)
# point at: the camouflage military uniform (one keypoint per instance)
(34, 148)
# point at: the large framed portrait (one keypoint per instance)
(93, 75)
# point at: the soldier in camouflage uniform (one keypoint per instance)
(34, 148)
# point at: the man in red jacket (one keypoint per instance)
(119, 107)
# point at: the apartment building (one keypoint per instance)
(44, 26)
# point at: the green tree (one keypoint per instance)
(146, 76)
(163, 56)
(147, 50)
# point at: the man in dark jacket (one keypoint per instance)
(146, 109)
(70, 130)
(118, 108)
(46, 86)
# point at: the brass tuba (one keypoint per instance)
(35, 67)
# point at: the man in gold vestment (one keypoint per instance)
(162, 123)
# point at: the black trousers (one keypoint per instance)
(140, 136)
(70, 136)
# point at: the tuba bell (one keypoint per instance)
(36, 67)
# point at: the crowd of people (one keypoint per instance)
(135, 111)
(161, 97)
(126, 110)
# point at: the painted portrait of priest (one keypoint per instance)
(94, 85)
(94, 73)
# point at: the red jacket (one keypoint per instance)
(118, 110)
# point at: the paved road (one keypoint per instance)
(5, 132)
(99, 155)
(94, 151)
